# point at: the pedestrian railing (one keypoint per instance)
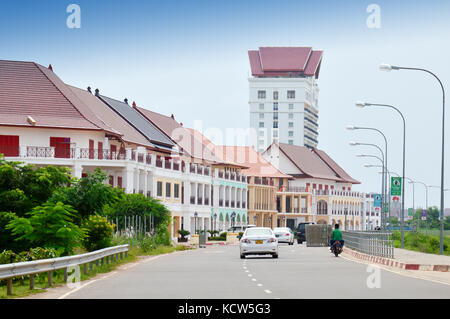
(376, 243)
(31, 268)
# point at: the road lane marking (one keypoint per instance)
(253, 279)
(267, 291)
(250, 275)
(259, 285)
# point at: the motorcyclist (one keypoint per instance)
(336, 236)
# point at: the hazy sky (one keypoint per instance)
(190, 58)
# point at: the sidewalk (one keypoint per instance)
(407, 259)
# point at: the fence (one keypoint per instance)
(31, 268)
(132, 229)
(376, 243)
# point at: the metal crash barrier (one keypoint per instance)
(375, 243)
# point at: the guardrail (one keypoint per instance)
(31, 268)
(376, 243)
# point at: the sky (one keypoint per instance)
(189, 58)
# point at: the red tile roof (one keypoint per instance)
(29, 89)
(280, 61)
(247, 156)
(111, 118)
(314, 163)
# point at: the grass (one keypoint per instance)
(419, 241)
(21, 288)
(434, 232)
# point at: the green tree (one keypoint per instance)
(98, 232)
(23, 187)
(7, 239)
(87, 195)
(49, 226)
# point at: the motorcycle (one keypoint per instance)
(336, 249)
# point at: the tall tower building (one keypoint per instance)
(283, 95)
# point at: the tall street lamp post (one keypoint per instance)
(388, 67)
(352, 127)
(382, 156)
(363, 104)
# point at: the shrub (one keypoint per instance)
(147, 244)
(49, 226)
(7, 257)
(7, 240)
(98, 233)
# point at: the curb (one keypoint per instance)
(396, 264)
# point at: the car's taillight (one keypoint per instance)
(272, 240)
(288, 234)
(246, 241)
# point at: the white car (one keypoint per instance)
(259, 241)
(284, 235)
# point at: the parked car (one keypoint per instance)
(301, 232)
(259, 241)
(238, 229)
(284, 235)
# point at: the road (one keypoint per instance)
(218, 272)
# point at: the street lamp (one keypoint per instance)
(233, 215)
(270, 221)
(388, 67)
(382, 181)
(215, 221)
(352, 127)
(364, 104)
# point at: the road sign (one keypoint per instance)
(410, 213)
(396, 186)
(377, 200)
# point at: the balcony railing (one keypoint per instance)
(293, 189)
(8, 150)
(41, 151)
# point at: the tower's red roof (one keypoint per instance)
(285, 61)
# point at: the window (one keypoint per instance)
(291, 106)
(261, 124)
(261, 115)
(275, 95)
(291, 142)
(62, 146)
(291, 116)
(261, 94)
(9, 145)
(291, 124)
(176, 190)
(168, 186)
(291, 94)
(159, 188)
(275, 106)
(275, 133)
(291, 133)
(261, 133)
(275, 116)
(275, 140)
(275, 124)
(261, 106)
(261, 142)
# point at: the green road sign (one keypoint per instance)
(396, 186)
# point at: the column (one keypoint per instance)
(128, 174)
(77, 170)
(145, 182)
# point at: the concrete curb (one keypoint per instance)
(395, 263)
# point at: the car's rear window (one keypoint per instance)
(280, 230)
(258, 232)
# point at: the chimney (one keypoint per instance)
(97, 91)
(125, 100)
(89, 89)
(134, 104)
(50, 67)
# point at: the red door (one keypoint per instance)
(9, 145)
(113, 151)
(100, 150)
(61, 145)
(119, 181)
(111, 180)
(91, 149)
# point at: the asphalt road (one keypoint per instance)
(218, 272)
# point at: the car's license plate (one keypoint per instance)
(258, 242)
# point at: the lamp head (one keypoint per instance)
(385, 67)
(350, 127)
(368, 165)
(353, 143)
(361, 104)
